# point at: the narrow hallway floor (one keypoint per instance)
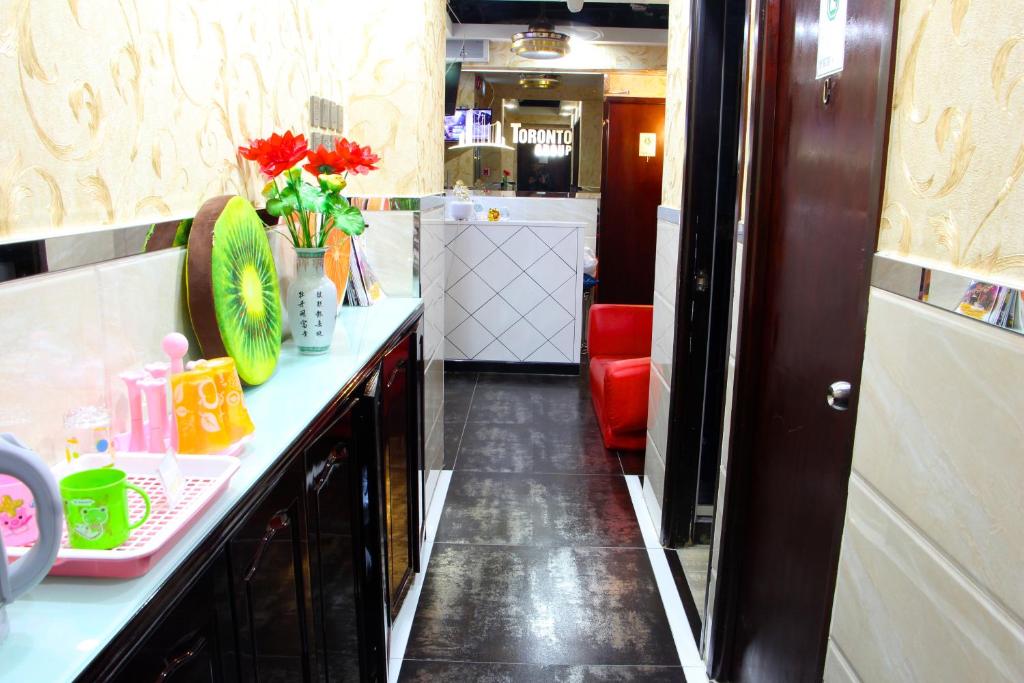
(538, 570)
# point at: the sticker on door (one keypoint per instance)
(831, 37)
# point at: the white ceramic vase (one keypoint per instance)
(312, 303)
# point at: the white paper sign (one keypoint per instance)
(831, 37)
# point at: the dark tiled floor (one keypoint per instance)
(538, 571)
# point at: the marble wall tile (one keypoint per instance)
(657, 411)
(53, 342)
(903, 612)
(950, 461)
(654, 482)
(837, 669)
(389, 246)
(141, 299)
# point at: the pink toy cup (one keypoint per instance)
(17, 513)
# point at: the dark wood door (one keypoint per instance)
(336, 548)
(630, 195)
(817, 176)
(188, 644)
(399, 470)
(270, 587)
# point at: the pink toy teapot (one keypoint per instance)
(33, 511)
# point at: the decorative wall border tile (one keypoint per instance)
(943, 289)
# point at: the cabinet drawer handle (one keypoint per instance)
(333, 460)
(394, 373)
(276, 523)
(181, 660)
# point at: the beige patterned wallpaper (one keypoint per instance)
(394, 54)
(956, 153)
(675, 102)
(122, 112)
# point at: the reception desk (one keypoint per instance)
(513, 294)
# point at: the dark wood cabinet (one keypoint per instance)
(188, 645)
(399, 470)
(302, 580)
(269, 586)
(345, 561)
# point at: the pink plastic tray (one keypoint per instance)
(206, 477)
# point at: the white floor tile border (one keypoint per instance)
(402, 627)
(686, 647)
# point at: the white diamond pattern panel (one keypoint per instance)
(471, 292)
(548, 317)
(523, 293)
(550, 271)
(497, 316)
(563, 340)
(525, 247)
(471, 337)
(500, 270)
(472, 247)
(522, 339)
(512, 292)
(454, 314)
(496, 351)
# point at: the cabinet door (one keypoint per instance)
(269, 586)
(187, 645)
(349, 610)
(399, 470)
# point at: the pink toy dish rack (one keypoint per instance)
(206, 478)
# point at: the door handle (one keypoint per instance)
(277, 523)
(838, 396)
(181, 660)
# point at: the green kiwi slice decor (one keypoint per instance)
(233, 296)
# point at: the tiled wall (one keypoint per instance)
(513, 291)
(66, 336)
(663, 338)
(432, 290)
(929, 585)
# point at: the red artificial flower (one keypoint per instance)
(325, 161)
(506, 173)
(276, 154)
(358, 160)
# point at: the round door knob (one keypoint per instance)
(838, 397)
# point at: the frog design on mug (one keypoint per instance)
(94, 522)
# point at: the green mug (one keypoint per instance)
(96, 508)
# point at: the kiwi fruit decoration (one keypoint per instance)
(233, 296)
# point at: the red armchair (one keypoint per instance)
(619, 343)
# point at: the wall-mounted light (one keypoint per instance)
(648, 145)
(511, 104)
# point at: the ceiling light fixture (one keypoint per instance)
(538, 81)
(540, 41)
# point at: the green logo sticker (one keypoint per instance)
(833, 9)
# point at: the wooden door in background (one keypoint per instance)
(630, 195)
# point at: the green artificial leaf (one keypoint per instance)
(313, 198)
(348, 218)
